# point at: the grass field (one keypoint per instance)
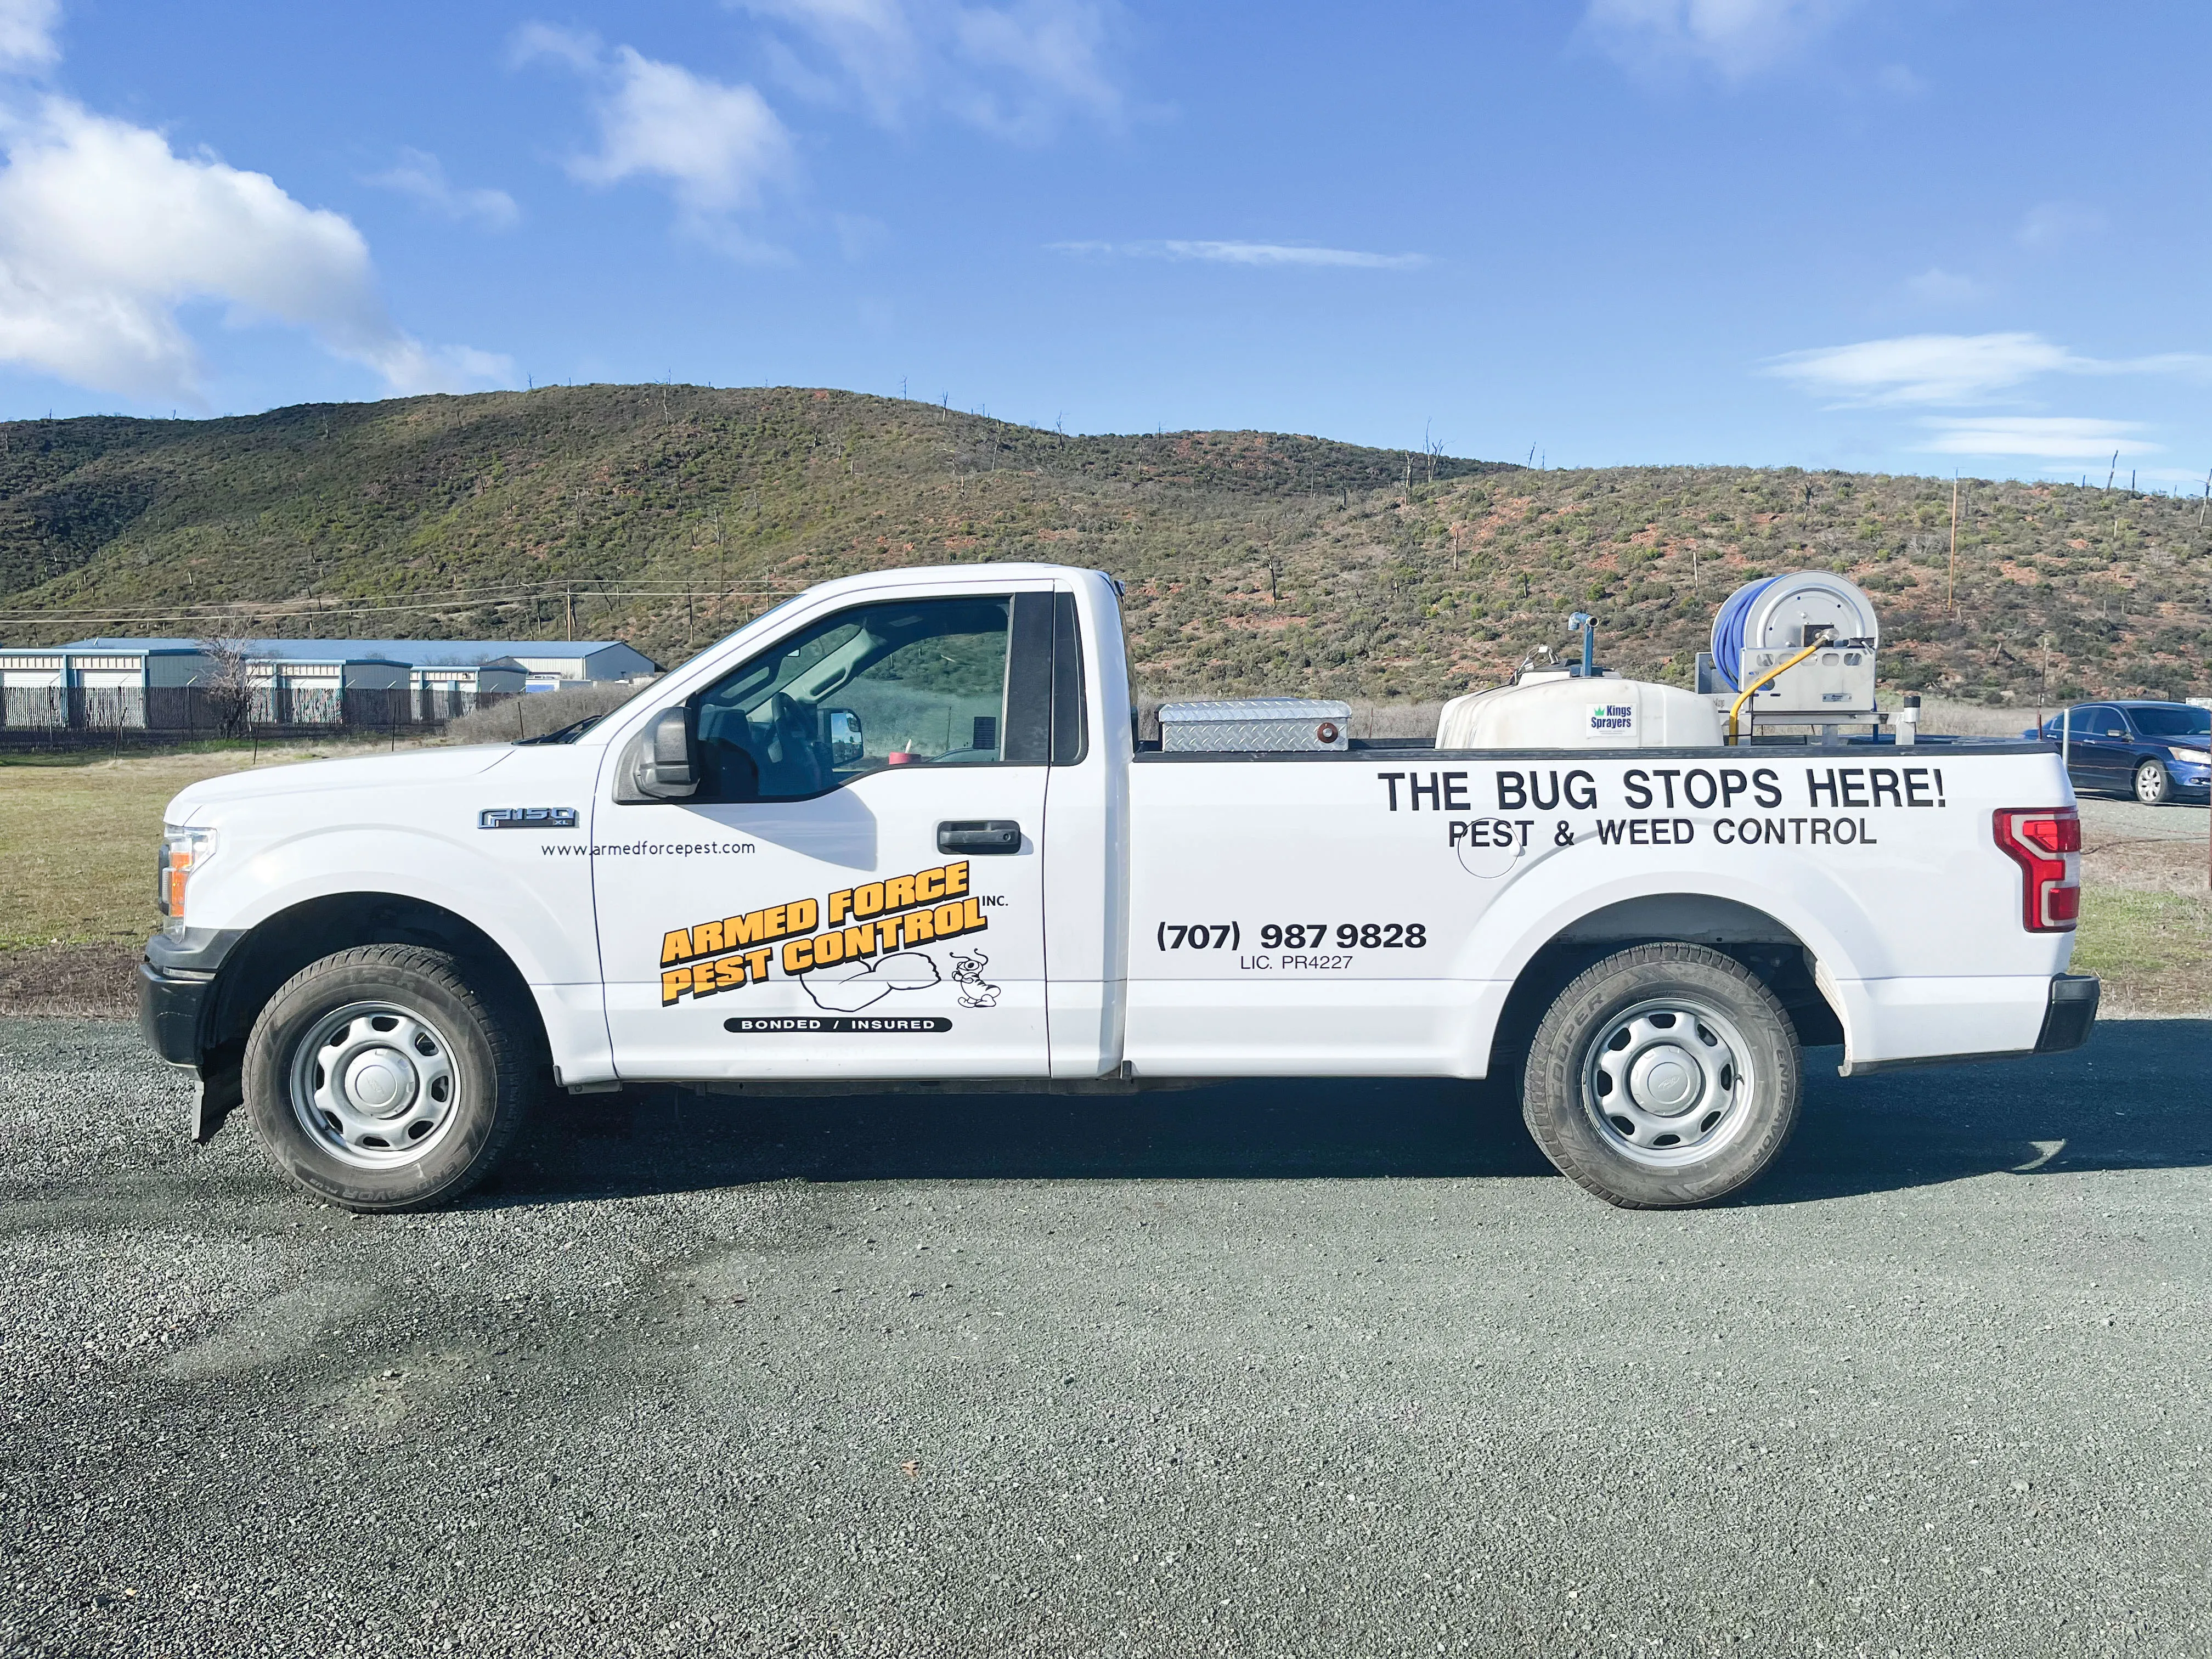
(77, 836)
(2153, 950)
(77, 883)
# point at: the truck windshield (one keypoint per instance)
(2173, 720)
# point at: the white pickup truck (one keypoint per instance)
(901, 828)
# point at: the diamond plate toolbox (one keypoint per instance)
(1308, 725)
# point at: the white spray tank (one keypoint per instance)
(1588, 707)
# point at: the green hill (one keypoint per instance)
(666, 515)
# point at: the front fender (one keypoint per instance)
(545, 929)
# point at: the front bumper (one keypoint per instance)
(176, 990)
(172, 1012)
(2070, 1014)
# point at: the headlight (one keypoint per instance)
(183, 851)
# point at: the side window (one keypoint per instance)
(921, 683)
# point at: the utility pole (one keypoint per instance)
(571, 597)
(2114, 471)
(1951, 580)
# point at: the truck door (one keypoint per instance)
(856, 889)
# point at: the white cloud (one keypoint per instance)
(718, 148)
(2051, 224)
(1737, 37)
(27, 34)
(1247, 253)
(1938, 287)
(2054, 437)
(1014, 71)
(1900, 82)
(105, 233)
(1953, 368)
(1922, 369)
(422, 176)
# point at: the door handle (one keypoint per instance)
(979, 836)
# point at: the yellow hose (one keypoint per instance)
(1736, 707)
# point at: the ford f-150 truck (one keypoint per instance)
(901, 828)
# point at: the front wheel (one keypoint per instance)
(377, 1079)
(2154, 784)
(1667, 1075)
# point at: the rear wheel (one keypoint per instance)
(377, 1079)
(1666, 1075)
(2154, 783)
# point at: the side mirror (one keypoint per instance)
(667, 765)
(847, 743)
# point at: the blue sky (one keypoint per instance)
(1864, 234)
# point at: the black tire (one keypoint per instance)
(1660, 1042)
(2154, 784)
(456, 1058)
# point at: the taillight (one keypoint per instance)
(2045, 842)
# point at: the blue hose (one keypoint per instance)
(1728, 630)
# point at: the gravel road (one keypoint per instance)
(1328, 1368)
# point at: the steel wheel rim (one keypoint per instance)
(375, 1085)
(1668, 1082)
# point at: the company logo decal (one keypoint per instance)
(1613, 717)
(850, 950)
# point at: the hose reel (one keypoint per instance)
(1814, 633)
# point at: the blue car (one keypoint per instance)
(2159, 752)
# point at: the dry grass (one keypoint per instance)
(77, 838)
(2145, 907)
(534, 716)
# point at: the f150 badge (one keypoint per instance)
(526, 817)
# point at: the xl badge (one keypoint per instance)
(526, 817)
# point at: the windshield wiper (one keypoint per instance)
(568, 733)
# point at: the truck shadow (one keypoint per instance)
(2138, 1097)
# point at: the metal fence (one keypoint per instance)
(63, 715)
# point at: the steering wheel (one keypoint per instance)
(792, 748)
